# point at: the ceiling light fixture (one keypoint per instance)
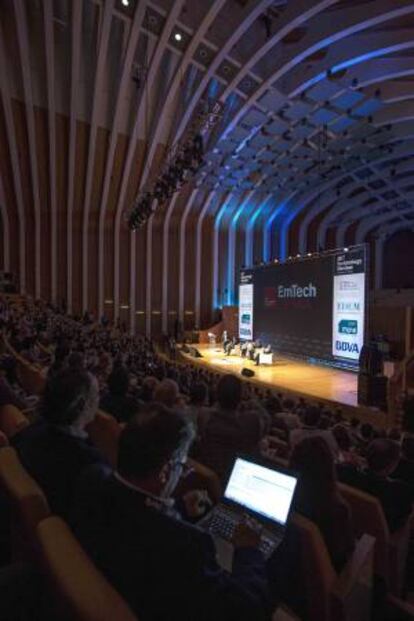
(125, 2)
(178, 36)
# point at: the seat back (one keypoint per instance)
(78, 590)
(104, 432)
(330, 597)
(27, 502)
(12, 420)
(368, 517)
(318, 574)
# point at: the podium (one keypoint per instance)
(372, 390)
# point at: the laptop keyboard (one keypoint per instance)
(223, 523)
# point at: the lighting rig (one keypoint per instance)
(183, 161)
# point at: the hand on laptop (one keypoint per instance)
(247, 534)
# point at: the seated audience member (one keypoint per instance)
(318, 499)
(55, 449)
(310, 428)
(395, 497)
(165, 568)
(228, 431)
(116, 400)
(198, 400)
(168, 393)
(149, 385)
(345, 453)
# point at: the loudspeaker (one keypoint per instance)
(194, 352)
(247, 372)
(372, 390)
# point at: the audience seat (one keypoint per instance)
(390, 549)
(78, 590)
(104, 432)
(332, 597)
(12, 420)
(27, 501)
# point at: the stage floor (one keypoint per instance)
(287, 374)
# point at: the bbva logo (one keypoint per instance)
(348, 347)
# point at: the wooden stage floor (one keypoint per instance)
(288, 374)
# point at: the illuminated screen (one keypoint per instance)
(311, 307)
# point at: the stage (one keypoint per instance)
(335, 386)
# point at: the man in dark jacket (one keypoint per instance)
(165, 568)
(56, 449)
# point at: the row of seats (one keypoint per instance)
(74, 588)
(76, 582)
(77, 590)
(391, 549)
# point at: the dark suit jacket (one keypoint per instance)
(165, 568)
(55, 459)
(394, 496)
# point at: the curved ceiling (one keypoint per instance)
(311, 143)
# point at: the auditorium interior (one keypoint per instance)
(207, 310)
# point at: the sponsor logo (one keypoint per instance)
(295, 291)
(245, 331)
(344, 346)
(245, 318)
(348, 306)
(348, 285)
(348, 326)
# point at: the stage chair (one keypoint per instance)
(77, 589)
(333, 597)
(104, 432)
(12, 420)
(27, 502)
(200, 477)
(390, 549)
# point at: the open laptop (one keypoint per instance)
(265, 493)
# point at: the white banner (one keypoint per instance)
(348, 310)
(246, 312)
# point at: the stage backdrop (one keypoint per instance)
(312, 307)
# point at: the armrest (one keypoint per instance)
(358, 568)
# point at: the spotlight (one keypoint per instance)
(178, 36)
(125, 2)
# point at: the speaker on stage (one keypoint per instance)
(247, 372)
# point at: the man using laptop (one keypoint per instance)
(165, 568)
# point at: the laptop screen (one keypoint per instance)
(260, 489)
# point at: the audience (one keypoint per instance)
(318, 499)
(165, 568)
(228, 431)
(172, 560)
(55, 449)
(116, 400)
(395, 496)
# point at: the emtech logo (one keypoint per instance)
(295, 291)
(344, 346)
